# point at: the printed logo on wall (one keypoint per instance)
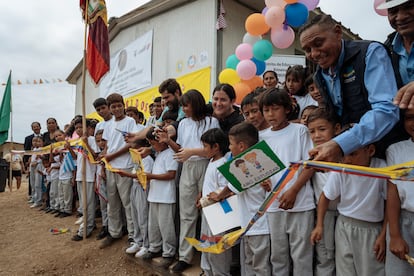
(203, 58)
(191, 62)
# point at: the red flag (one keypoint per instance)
(97, 52)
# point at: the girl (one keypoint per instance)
(189, 150)
(223, 107)
(295, 85)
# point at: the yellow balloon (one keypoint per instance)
(229, 76)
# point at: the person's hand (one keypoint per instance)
(129, 137)
(213, 196)
(316, 235)
(287, 200)
(162, 135)
(398, 247)
(198, 204)
(405, 96)
(144, 151)
(122, 173)
(183, 154)
(108, 157)
(266, 185)
(329, 151)
(84, 137)
(67, 145)
(379, 248)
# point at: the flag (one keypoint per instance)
(68, 163)
(5, 110)
(97, 53)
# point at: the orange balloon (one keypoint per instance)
(242, 90)
(254, 82)
(291, 1)
(256, 25)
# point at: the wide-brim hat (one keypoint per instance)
(391, 4)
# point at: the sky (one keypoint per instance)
(44, 40)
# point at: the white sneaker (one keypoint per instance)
(35, 205)
(79, 221)
(134, 248)
(141, 252)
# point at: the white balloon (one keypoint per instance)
(251, 39)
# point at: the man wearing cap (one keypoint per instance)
(400, 42)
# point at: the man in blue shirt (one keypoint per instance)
(357, 81)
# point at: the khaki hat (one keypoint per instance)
(391, 4)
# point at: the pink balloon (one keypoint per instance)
(244, 51)
(282, 38)
(275, 16)
(246, 69)
(310, 4)
(274, 3)
(380, 12)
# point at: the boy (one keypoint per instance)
(360, 228)
(251, 112)
(117, 154)
(162, 199)
(256, 242)
(35, 165)
(313, 90)
(400, 206)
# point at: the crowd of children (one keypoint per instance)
(323, 223)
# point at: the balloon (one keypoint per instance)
(310, 4)
(246, 69)
(255, 24)
(251, 39)
(283, 38)
(229, 76)
(380, 12)
(241, 90)
(291, 1)
(296, 14)
(273, 3)
(232, 62)
(244, 51)
(254, 82)
(260, 66)
(264, 11)
(275, 16)
(262, 49)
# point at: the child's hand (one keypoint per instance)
(122, 173)
(399, 247)
(67, 145)
(266, 185)
(162, 135)
(379, 248)
(144, 151)
(183, 154)
(198, 205)
(316, 235)
(287, 200)
(213, 196)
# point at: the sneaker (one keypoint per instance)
(180, 267)
(77, 238)
(108, 241)
(35, 205)
(54, 211)
(134, 248)
(50, 210)
(166, 262)
(64, 215)
(58, 214)
(141, 252)
(79, 221)
(30, 201)
(102, 234)
(151, 255)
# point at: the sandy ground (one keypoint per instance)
(27, 246)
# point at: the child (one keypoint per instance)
(215, 145)
(400, 207)
(32, 167)
(313, 90)
(117, 154)
(305, 113)
(359, 230)
(139, 204)
(162, 199)
(251, 111)
(189, 150)
(322, 127)
(54, 159)
(291, 216)
(36, 165)
(42, 170)
(255, 244)
(295, 85)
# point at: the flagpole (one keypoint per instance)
(11, 142)
(84, 197)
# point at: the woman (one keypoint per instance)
(270, 79)
(49, 136)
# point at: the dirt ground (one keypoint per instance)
(27, 247)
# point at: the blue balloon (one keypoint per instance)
(232, 62)
(260, 66)
(296, 14)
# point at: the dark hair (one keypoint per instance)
(132, 109)
(157, 99)
(141, 143)
(298, 72)
(170, 115)
(226, 88)
(115, 98)
(99, 132)
(92, 123)
(275, 96)
(170, 86)
(322, 113)
(250, 98)
(198, 104)
(99, 102)
(311, 107)
(216, 136)
(61, 131)
(151, 134)
(245, 132)
(273, 72)
(36, 123)
(309, 81)
(321, 19)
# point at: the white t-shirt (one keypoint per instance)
(54, 172)
(305, 101)
(163, 191)
(319, 180)
(148, 163)
(189, 133)
(90, 168)
(213, 179)
(291, 144)
(46, 174)
(102, 125)
(361, 197)
(399, 153)
(115, 141)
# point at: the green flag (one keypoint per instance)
(5, 110)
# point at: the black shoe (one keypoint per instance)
(77, 238)
(102, 234)
(78, 215)
(166, 262)
(49, 210)
(54, 212)
(58, 214)
(180, 267)
(151, 255)
(108, 241)
(64, 215)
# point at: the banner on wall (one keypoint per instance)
(130, 68)
(199, 80)
(280, 63)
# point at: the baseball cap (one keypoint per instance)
(390, 4)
